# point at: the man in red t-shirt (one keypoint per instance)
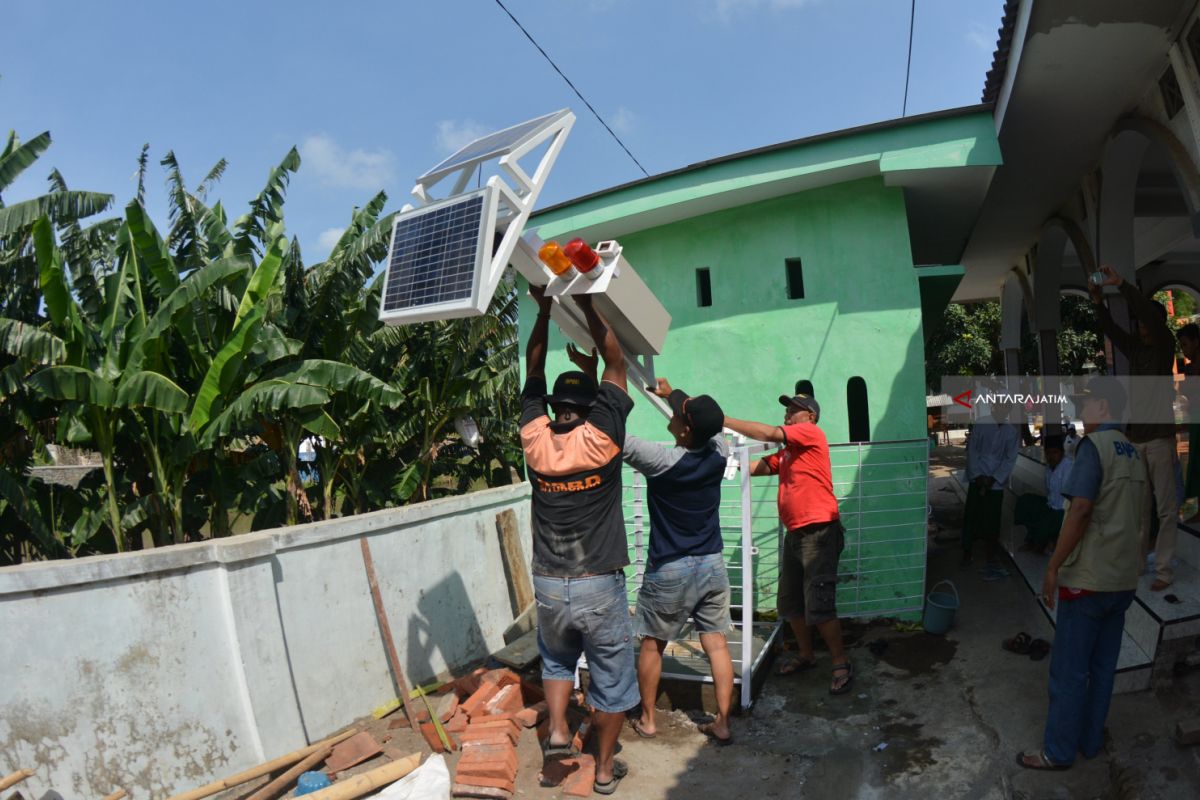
(808, 561)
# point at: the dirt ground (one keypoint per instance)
(929, 716)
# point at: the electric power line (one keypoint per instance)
(577, 92)
(912, 15)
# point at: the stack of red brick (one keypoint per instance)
(483, 715)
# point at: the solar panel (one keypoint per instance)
(494, 144)
(435, 254)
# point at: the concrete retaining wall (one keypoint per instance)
(158, 671)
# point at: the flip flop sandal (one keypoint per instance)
(994, 574)
(1018, 644)
(707, 730)
(794, 664)
(558, 750)
(620, 770)
(1039, 649)
(1039, 762)
(846, 669)
(636, 724)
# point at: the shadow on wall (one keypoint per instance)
(445, 622)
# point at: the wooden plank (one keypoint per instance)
(521, 653)
(284, 781)
(357, 786)
(385, 631)
(520, 585)
(12, 779)
(266, 768)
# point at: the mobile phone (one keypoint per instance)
(1097, 278)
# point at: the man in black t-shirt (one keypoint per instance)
(579, 549)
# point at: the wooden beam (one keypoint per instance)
(520, 585)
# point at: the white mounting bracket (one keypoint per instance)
(618, 284)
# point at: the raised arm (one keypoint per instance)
(586, 363)
(1146, 310)
(756, 430)
(535, 350)
(606, 342)
(1122, 339)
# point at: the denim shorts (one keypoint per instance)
(588, 616)
(694, 586)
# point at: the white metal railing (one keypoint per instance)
(743, 513)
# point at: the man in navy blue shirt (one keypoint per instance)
(685, 572)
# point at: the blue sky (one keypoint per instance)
(374, 93)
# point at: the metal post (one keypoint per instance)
(639, 567)
(747, 579)
(858, 478)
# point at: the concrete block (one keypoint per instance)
(459, 790)
(446, 706)
(501, 677)
(579, 783)
(435, 741)
(484, 781)
(501, 752)
(507, 700)
(474, 705)
(531, 716)
(468, 684)
(457, 723)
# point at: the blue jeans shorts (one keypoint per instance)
(695, 586)
(588, 616)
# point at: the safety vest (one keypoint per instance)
(1108, 557)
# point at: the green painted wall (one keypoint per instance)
(860, 316)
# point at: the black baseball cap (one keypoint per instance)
(1103, 388)
(574, 387)
(804, 401)
(702, 414)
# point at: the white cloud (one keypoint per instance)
(351, 169)
(727, 9)
(328, 238)
(977, 36)
(453, 135)
(623, 120)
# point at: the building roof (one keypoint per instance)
(942, 160)
(995, 75)
(1064, 73)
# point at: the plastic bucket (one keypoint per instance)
(940, 608)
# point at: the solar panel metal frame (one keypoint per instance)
(503, 142)
(477, 300)
(511, 196)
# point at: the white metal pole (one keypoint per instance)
(639, 566)
(747, 578)
(858, 480)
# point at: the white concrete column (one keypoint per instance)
(1012, 306)
(1119, 170)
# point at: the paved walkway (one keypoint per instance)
(952, 712)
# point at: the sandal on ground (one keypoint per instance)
(1038, 760)
(566, 750)
(1018, 644)
(636, 724)
(1039, 649)
(792, 664)
(842, 671)
(720, 741)
(620, 770)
